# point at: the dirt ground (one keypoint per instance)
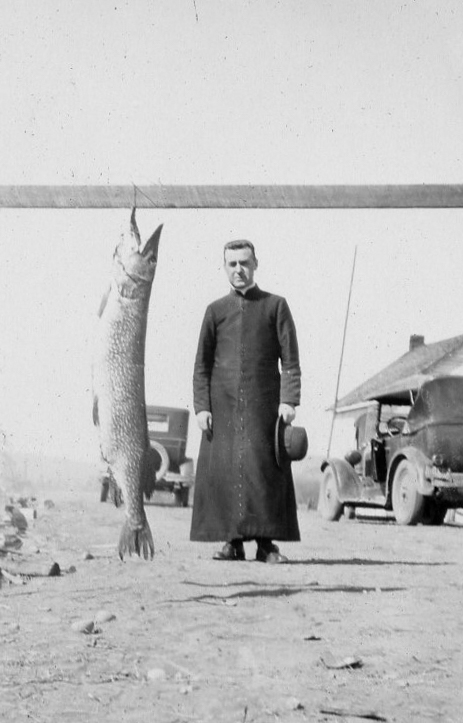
(198, 640)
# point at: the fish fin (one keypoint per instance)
(149, 474)
(95, 414)
(150, 250)
(138, 542)
(104, 301)
(149, 488)
(134, 227)
(115, 492)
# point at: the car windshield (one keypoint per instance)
(392, 415)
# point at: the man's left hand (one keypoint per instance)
(288, 413)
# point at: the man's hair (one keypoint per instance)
(239, 244)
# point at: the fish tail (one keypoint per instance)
(139, 541)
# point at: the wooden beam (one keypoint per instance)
(239, 196)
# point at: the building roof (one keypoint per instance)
(423, 361)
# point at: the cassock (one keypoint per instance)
(247, 363)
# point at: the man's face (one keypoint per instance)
(239, 266)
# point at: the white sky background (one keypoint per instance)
(224, 91)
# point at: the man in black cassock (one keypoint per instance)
(246, 375)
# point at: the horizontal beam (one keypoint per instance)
(240, 196)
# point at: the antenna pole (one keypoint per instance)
(342, 354)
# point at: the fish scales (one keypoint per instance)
(119, 409)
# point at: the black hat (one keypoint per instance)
(291, 443)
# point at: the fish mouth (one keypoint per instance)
(136, 266)
(150, 249)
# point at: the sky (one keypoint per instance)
(211, 92)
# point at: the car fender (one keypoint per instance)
(421, 462)
(347, 480)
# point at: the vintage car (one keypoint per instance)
(171, 470)
(167, 433)
(408, 459)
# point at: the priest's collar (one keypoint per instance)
(243, 292)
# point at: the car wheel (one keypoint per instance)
(407, 501)
(349, 512)
(181, 496)
(330, 506)
(433, 513)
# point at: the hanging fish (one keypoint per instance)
(119, 409)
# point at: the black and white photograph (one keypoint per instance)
(231, 361)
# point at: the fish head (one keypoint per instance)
(134, 267)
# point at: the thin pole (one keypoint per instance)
(342, 354)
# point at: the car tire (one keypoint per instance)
(433, 513)
(329, 504)
(164, 459)
(349, 512)
(181, 497)
(407, 501)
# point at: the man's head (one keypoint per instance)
(240, 262)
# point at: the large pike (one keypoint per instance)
(119, 408)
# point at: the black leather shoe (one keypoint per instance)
(270, 554)
(230, 551)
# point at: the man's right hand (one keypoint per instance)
(204, 420)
